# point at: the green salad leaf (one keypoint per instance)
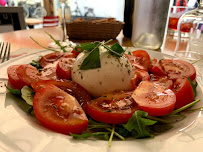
(194, 86)
(92, 61)
(138, 123)
(28, 95)
(86, 46)
(14, 91)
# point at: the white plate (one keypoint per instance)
(22, 132)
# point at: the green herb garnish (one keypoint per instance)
(194, 86)
(138, 123)
(14, 91)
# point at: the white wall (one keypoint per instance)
(102, 8)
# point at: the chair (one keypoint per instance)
(11, 19)
(50, 21)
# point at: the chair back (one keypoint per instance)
(50, 21)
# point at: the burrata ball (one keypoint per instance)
(115, 73)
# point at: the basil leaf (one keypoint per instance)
(194, 86)
(86, 46)
(138, 123)
(28, 95)
(92, 61)
(14, 91)
(117, 48)
(110, 50)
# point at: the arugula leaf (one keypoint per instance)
(194, 86)
(43, 46)
(57, 42)
(138, 123)
(27, 95)
(117, 48)
(95, 134)
(92, 61)
(86, 46)
(14, 91)
(36, 64)
(184, 107)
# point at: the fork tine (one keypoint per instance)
(9, 50)
(5, 53)
(2, 48)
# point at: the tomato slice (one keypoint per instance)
(183, 91)
(64, 67)
(178, 68)
(59, 111)
(156, 68)
(52, 57)
(13, 77)
(140, 59)
(112, 108)
(142, 75)
(154, 99)
(27, 74)
(68, 86)
(162, 80)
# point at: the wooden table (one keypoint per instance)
(21, 39)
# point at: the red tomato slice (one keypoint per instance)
(183, 91)
(27, 74)
(112, 108)
(68, 86)
(75, 52)
(156, 68)
(140, 59)
(178, 68)
(154, 99)
(13, 77)
(64, 67)
(162, 81)
(142, 75)
(48, 73)
(59, 111)
(52, 57)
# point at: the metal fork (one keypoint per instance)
(5, 51)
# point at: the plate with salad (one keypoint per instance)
(100, 98)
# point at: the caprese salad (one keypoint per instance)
(99, 90)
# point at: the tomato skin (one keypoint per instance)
(59, 111)
(64, 67)
(68, 86)
(112, 108)
(27, 74)
(178, 68)
(154, 99)
(13, 77)
(183, 91)
(52, 57)
(140, 59)
(142, 75)
(75, 52)
(162, 80)
(156, 68)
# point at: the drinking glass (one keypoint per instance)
(194, 50)
(63, 2)
(175, 13)
(65, 41)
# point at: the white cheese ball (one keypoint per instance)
(115, 74)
